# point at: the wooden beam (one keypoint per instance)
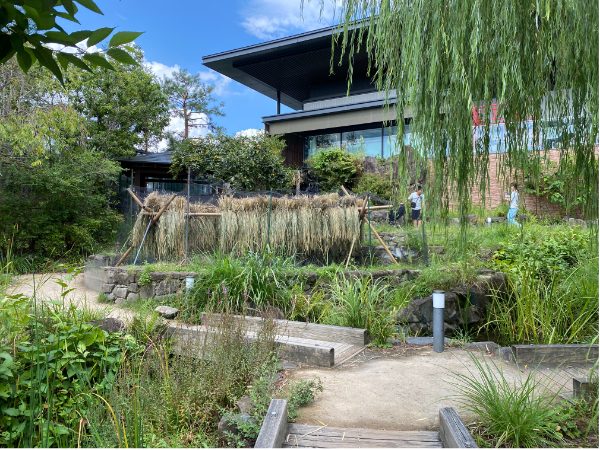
(554, 355)
(138, 201)
(350, 252)
(163, 209)
(381, 241)
(453, 432)
(274, 426)
(124, 257)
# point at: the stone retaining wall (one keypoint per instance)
(120, 284)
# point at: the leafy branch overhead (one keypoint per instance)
(30, 30)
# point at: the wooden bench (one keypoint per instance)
(192, 340)
(305, 330)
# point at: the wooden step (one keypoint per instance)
(329, 333)
(193, 339)
(315, 436)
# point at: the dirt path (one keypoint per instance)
(46, 288)
(396, 390)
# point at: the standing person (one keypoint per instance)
(514, 205)
(416, 204)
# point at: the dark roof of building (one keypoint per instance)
(161, 158)
(292, 65)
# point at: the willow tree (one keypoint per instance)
(536, 61)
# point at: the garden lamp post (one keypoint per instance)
(439, 300)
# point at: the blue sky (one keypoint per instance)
(178, 33)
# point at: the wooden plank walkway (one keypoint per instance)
(314, 436)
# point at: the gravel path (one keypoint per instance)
(45, 287)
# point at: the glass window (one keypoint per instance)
(366, 142)
(390, 143)
(313, 144)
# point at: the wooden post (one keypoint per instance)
(350, 252)
(138, 201)
(124, 257)
(274, 426)
(386, 248)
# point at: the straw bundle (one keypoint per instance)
(321, 226)
(312, 226)
(166, 239)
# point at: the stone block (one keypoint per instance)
(120, 292)
(109, 276)
(167, 312)
(132, 296)
(134, 287)
(122, 277)
(107, 288)
(146, 291)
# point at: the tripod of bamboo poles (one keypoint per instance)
(365, 212)
(148, 211)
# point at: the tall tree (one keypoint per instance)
(29, 29)
(192, 101)
(536, 60)
(126, 108)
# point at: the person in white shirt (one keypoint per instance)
(514, 205)
(416, 204)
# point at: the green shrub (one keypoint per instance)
(335, 167)
(520, 415)
(379, 185)
(52, 365)
(247, 163)
(543, 252)
(302, 393)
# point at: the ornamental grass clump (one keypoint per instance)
(509, 414)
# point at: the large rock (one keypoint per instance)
(465, 305)
(109, 324)
(167, 312)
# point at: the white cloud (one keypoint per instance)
(269, 19)
(161, 70)
(250, 132)
(79, 48)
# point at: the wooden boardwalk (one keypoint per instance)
(314, 436)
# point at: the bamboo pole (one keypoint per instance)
(386, 248)
(124, 257)
(350, 252)
(137, 200)
(382, 243)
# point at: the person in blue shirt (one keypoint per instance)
(514, 205)
(416, 204)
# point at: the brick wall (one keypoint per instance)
(499, 185)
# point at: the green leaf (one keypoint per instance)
(67, 16)
(25, 60)
(124, 37)
(82, 35)
(59, 37)
(6, 48)
(71, 7)
(69, 58)
(121, 55)
(46, 59)
(98, 60)
(99, 35)
(89, 4)
(13, 412)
